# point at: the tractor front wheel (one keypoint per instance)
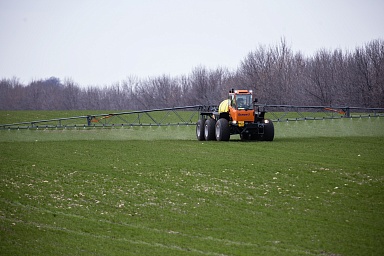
(209, 130)
(200, 129)
(222, 130)
(269, 131)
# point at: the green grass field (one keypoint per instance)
(317, 189)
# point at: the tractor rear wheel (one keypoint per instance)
(269, 131)
(222, 130)
(209, 130)
(200, 129)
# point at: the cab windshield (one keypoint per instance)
(244, 101)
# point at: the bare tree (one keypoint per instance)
(269, 72)
(11, 94)
(70, 94)
(375, 53)
(207, 87)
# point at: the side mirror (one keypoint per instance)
(255, 100)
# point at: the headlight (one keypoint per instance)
(266, 121)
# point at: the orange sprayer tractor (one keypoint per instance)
(239, 114)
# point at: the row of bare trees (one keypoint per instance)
(276, 74)
(328, 78)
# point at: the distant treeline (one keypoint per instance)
(276, 74)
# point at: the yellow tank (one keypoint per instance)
(223, 107)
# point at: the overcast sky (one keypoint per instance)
(96, 42)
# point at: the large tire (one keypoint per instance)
(269, 131)
(200, 129)
(222, 130)
(209, 129)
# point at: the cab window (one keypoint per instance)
(244, 101)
